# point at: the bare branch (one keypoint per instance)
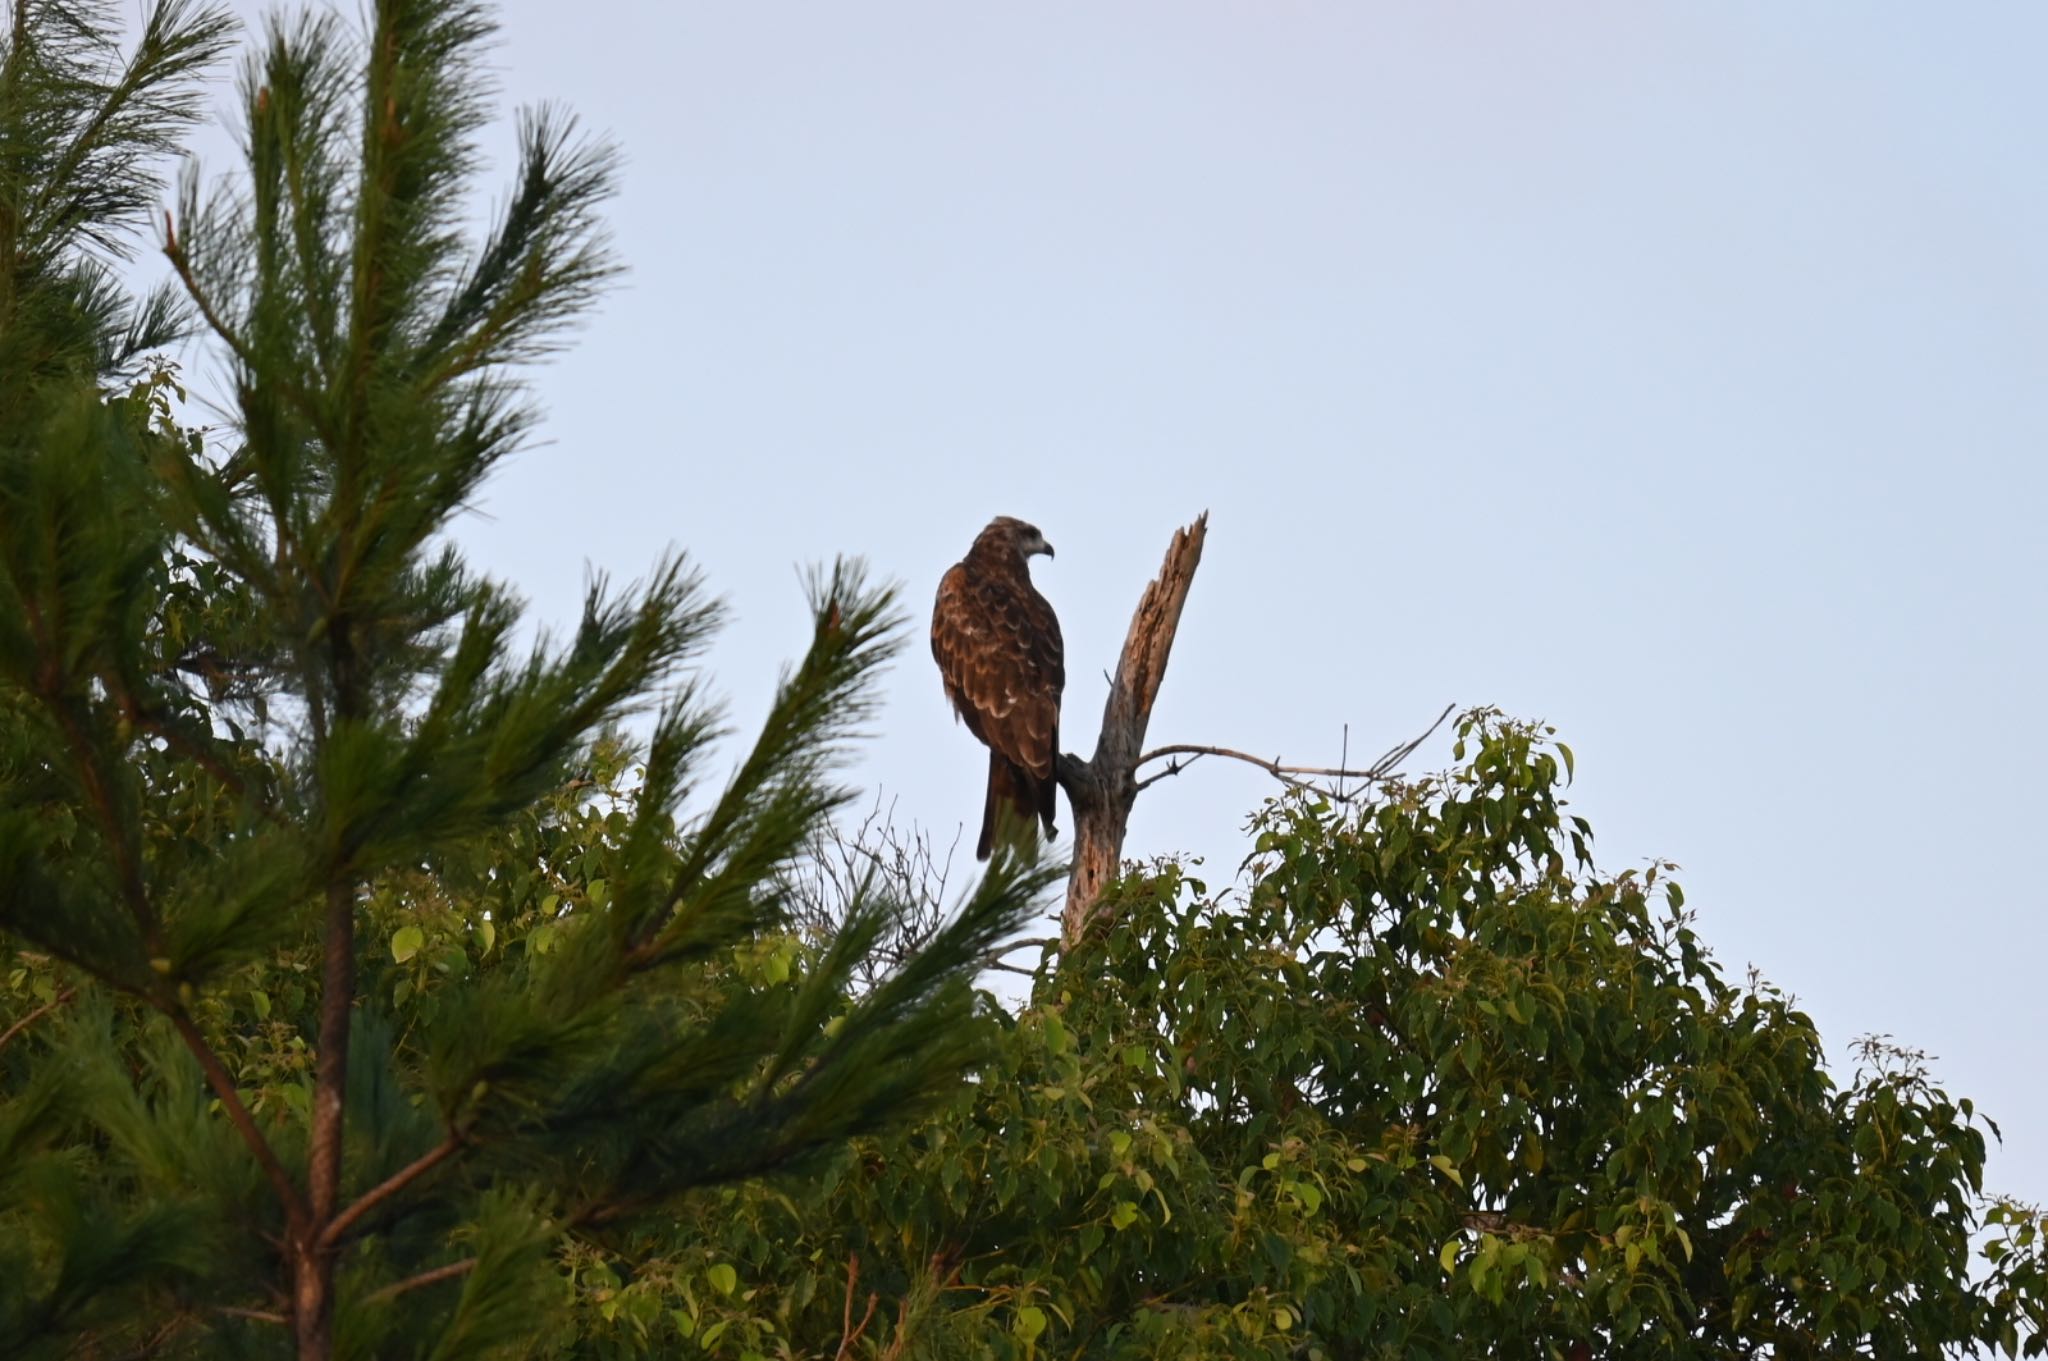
(874, 858)
(1395, 755)
(1102, 789)
(45, 1009)
(1285, 774)
(1298, 777)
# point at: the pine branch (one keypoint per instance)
(126, 124)
(390, 1186)
(127, 858)
(434, 1277)
(193, 748)
(181, 264)
(245, 1124)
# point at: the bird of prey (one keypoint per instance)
(998, 647)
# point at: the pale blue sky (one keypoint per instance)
(1672, 373)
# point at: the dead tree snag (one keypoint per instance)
(1102, 790)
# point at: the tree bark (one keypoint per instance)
(1102, 790)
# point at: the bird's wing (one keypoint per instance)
(998, 647)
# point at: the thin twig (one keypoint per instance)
(1343, 759)
(1298, 777)
(389, 1187)
(434, 1277)
(45, 1009)
(1271, 767)
(1193, 754)
(181, 264)
(1394, 755)
(260, 1315)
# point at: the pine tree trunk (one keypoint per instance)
(1102, 790)
(313, 1301)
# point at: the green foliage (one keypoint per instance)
(367, 994)
(1431, 1086)
(84, 128)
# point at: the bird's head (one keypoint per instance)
(1023, 539)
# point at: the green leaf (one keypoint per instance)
(1029, 1323)
(724, 1279)
(406, 942)
(1124, 1215)
(1448, 1258)
(1447, 1167)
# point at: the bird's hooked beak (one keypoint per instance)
(1045, 548)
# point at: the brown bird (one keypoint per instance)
(999, 652)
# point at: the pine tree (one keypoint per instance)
(361, 963)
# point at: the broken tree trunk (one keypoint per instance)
(1101, 791)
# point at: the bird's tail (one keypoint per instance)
(1015, 806)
